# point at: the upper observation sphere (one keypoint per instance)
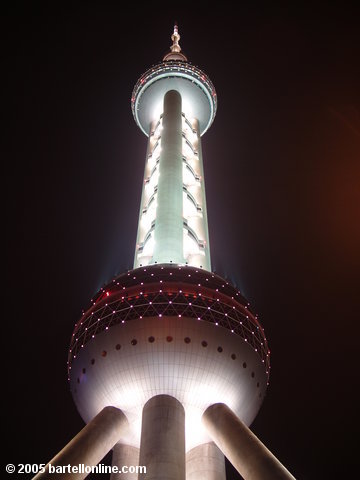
(174, 73)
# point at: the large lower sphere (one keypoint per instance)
(128, 354)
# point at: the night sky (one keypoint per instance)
(282, 171)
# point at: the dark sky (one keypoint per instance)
(282, 170)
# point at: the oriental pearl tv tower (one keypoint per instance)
(169, 365)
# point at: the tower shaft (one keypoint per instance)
(168, 233)
(173, 225)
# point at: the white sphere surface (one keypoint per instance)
(196, 375)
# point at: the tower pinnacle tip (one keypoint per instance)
(175, 37)
(175, 49)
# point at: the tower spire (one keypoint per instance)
(175, 37)
(175, 49)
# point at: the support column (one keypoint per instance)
(143, 230)
(242, 448)
(124, 455)
(207, 261)
(205, 462)
(89, 446)
(168, 233)
(162, 447)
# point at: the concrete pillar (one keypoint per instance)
(142, 231)
(124, 455)
(162, 447)
(205, 462)
(89, 446)
(206, 264)
(242, 448)
(168, 233)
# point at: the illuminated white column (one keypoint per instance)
(145, 235)
(241, 447)
(173, 224)
(89, 446)
(124, 455)
(162, 447)
(168, 235)
(205, 462)
(196, 239)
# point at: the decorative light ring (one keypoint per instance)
(174, 69)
